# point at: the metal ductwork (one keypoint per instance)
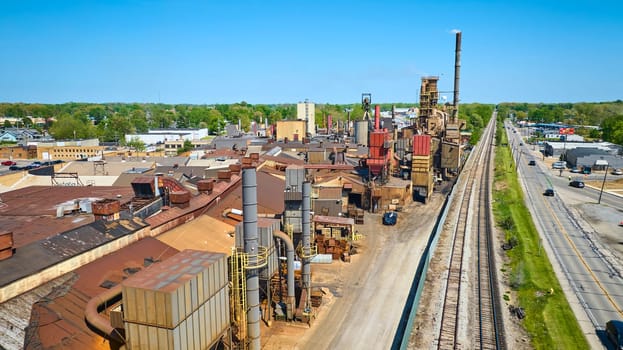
(377, 117)
(305, 220)
(457, 74)
(251, 248)
(290, 302)
(100, 322)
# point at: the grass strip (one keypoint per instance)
(549, 320)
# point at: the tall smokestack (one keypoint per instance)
(306, 273)
(249, 208)
(377, 117)
(457, 74)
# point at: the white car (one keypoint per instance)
(617, 172)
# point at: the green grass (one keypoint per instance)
(549, 320)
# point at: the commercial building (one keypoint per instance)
(307, 111)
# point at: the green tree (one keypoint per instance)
(612, 129)
(70, 127)
(186, 147)
(136, 144)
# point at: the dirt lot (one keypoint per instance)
(364, 298)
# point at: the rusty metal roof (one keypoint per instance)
(204, 233)
(31, 212)
(57, 320)
(37, 256)
(170, 274)
(196, 203)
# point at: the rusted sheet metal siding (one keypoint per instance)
(421, 145)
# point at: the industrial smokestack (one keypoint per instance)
(306, 273)
(249, 208)
(377, 117)
(457, 74)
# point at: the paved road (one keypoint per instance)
(371, 291)
(592, 276)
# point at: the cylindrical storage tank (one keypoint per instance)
(361, 132)
(179, 197)
(205, 186)
(105, 207)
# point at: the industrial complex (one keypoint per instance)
(166, 252)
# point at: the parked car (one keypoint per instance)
(8, 162)
(390, 218)
(617, 172)
(532, 162)
(586, 170)
(614, 330)
(577, 184)
(549, 192)
(15, 167)
(575, 170)
(559, 165)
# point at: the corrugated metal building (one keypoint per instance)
(181, 303)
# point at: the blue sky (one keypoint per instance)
(209, 51)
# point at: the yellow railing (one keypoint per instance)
(313, 251)
(260, 259)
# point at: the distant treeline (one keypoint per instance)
(608, 116)
(112, 121)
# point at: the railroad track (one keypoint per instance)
(473, 229)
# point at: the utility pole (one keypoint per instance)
(603, 184)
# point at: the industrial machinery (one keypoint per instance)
(437, 149)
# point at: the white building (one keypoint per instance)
(156, 136)
(307, 111)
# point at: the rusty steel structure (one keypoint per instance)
(438, 156)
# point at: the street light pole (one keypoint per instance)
(602, 184)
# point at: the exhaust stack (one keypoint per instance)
(457, 74)
(306, 273)
(251, 248)
(377, 117)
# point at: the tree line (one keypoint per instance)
(112, 121)
(584, 116)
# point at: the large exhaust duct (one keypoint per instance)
(457, 74)
(100, 322)
(290, 302)
(306, 273)
(377, 117)
(251, 248)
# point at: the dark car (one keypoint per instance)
(549, 192)
(577, 183)
(8, 162)
(390, 218)
(532, 162)
(614, 330)
(15, 167)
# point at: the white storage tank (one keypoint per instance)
(180, 303)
